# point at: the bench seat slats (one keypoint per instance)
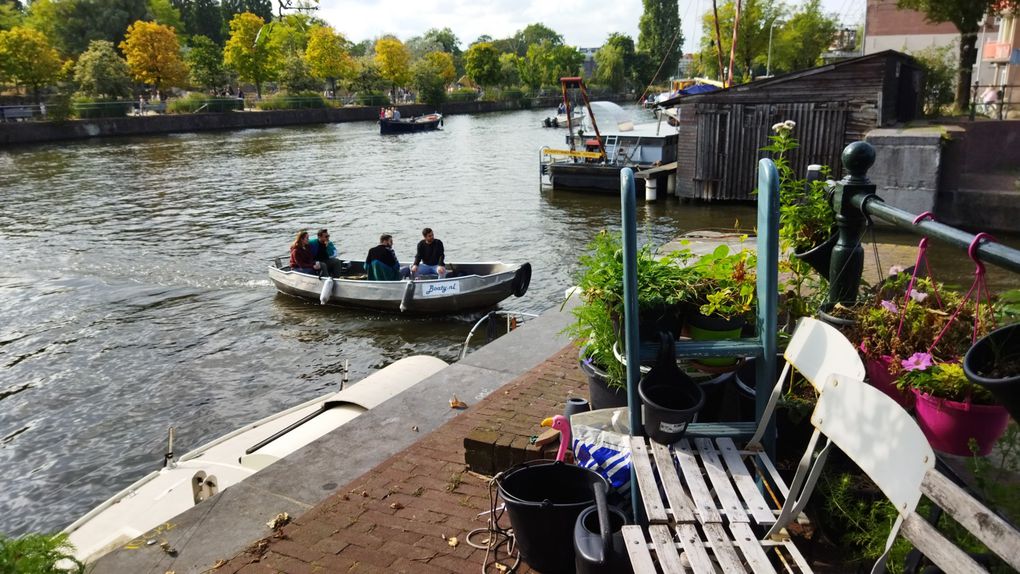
(722, 547)
(696, 482)
(681, 504)
(694, 547)
(646, 481)
(756, 505)
(932, 544)
(755, 556)
(988, 527)
(720, 481)
(637, 549)
(662, 539)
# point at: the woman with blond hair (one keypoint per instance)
(301, 259)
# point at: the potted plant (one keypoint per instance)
(724, 294)
(663, 285)
(952, 411)
(806, 216)
(993, 363)
(897, 326)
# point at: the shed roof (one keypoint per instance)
(767, 83)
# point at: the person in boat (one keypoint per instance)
(381, 262)
(324, 253)
(561, 109)
(430, 257)
(396, 114)
(301, 258)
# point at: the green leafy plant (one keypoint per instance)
(724, 283)
(945, 380)
(292, 101)
(38, 554)
(196, 102)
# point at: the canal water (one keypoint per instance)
(134, 293)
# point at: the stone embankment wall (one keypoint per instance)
(966, 174)
(14, 133)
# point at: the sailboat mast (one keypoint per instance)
(733, 46)
(718, 38)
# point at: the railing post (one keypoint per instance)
(628, 212)
(848, 256)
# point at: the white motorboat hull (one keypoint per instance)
(153, 501)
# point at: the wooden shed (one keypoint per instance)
(722, 132)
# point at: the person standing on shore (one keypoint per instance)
(430, 257)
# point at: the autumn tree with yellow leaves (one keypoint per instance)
(328, 56)
(27, 59)
(394, 61)
(154, 55)
(249, 53)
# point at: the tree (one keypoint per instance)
(72, 24)
(659, 34)
(442, 63)
(231, 8)
(248, 53)
(27, 59)
(509, 69)
(154, 55)
(609, 69)
(533, 34)
(368, 79)
(205, 63)
(445, 38)
(201, 18)
(631, 70)
(328, 57)
(165, 13)
(427, 78)
(966, 16)
(289, 37)
(802, 41)
(756, 19)
(560, 61)
(939, 72)
(481, 62)
(394, 61)
(101, 72)
(529, 68)
(11, 15)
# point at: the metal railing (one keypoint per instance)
(856, 203)
(1007, 98)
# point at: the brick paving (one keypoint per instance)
(399, 516)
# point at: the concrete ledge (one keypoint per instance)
(225, 524)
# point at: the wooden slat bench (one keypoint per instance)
(708, 511)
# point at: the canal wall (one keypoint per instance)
(965, 173)
(17, 133)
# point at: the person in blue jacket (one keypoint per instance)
(324, 253)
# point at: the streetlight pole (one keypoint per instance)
(768, 60)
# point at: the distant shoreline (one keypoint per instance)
(22, 133)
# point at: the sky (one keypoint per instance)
(583, 23)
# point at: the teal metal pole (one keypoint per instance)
(768, 290)
(628, 209)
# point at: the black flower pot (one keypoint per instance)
(819, 257)
(994, 363)
(600, 394)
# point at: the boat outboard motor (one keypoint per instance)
(599, 547)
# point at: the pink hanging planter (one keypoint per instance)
(879, 377)
(949, 425)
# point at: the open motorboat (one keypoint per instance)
(466, 287)
(226, 461)
(608, 141)
(428, 122)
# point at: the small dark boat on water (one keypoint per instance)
(426, 123)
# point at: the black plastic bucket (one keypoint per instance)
(669, 408)
(544, 499)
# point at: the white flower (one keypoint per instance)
(777, 127)
(790, 124)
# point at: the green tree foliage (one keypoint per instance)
(154, 55)
(427, 77)
(609, 68)
(201, 18)
(966, 16)
(165, 13)
(394, 61)
(509, 71)
(481, 62)
(231, 8)
(72, 24)
(560, 61)
(445, 38)
(633, 63)
(249, 54)
(529, 68)
(368, 79)
(288, 37)
(11, 14)
(756, 18)
(533, 34)
(27, 59)
(659, 34)
(205, 63)
(100, 72)
(328, 56)
(38, 554)
(940, 73)
(804, 38)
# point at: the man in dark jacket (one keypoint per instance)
(430, 257)
(325, 254)
(381, 261)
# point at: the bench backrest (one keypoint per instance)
(886, 443)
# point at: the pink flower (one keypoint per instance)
(917, 362)
(890, 307)
(917, 295)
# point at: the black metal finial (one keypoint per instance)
(858, 158)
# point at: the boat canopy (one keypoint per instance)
(610, 117)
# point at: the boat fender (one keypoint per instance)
(327, 290)
(522, 279)
(440, 122)
(408, 295)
